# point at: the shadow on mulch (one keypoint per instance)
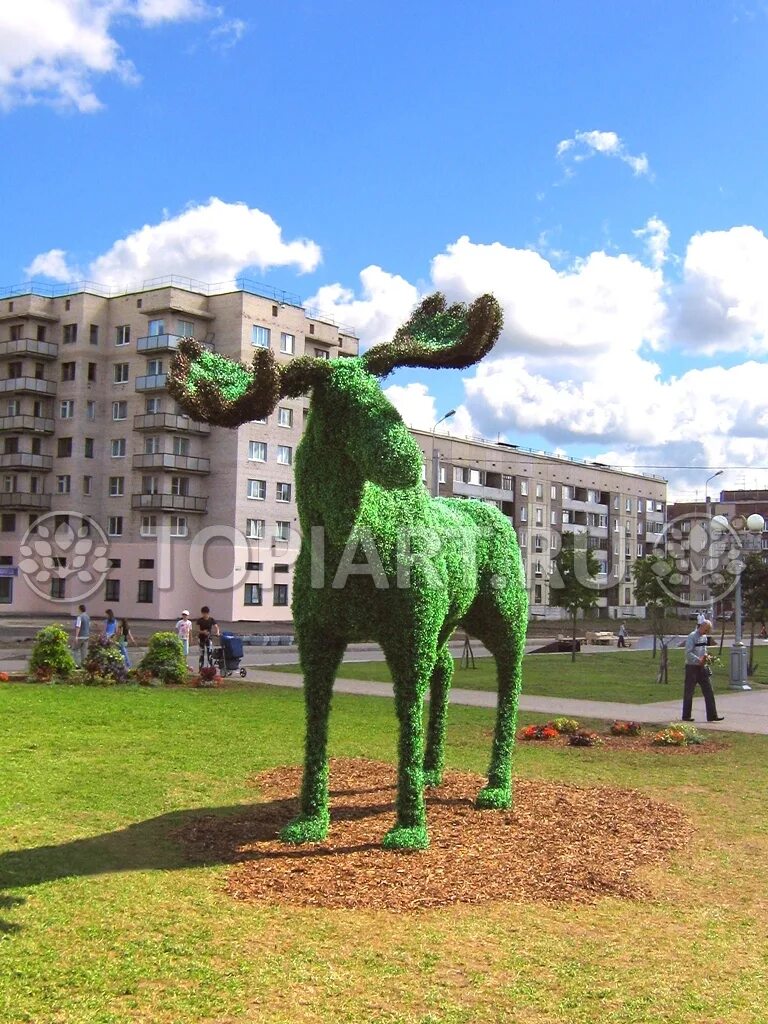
(560, 843)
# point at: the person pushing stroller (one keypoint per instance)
(207, 628)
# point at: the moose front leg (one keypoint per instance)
(319, 662)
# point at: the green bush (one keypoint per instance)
(51, 657)
(165, 658)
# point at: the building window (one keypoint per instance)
(66, 409)
(88, 447)
(181, 446)
(146, 591)
(116, 486)
(63, 484)
(153, 405)
(123, 334)
(254, 529)
(539, 491)
(627, 595)
(284, 416)
(148, 526)
(8, 523)
(68, 371)
(64, 448)
(118, 448)
(280, 595)
(322, 353)
(257, 489)
(180, 486)
(93, 334)
(120, 373)
(151, 445)
(282, 530)
(156, 328)
(58, 589)
(149, 485)
(115, 526)
(69, 334)
(92, 373)
(115, 563)
(185, 328)
(154, 367)
(553, 492)
(119, 410)
(252, 594)
(146, 563)
(112, 590)
(281, 567)
(254, 566)
(284, 454)
(287, 343)
(87, 485)
(539, 516)
(179, 527)
(90, 410)
(523, 515)
(283, 492)
(260, 336)
(524, 487)
(257, 451)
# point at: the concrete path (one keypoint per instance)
(744, 712)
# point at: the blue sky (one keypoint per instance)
(599, 166)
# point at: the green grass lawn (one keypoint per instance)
(624, 676)
(105, 922)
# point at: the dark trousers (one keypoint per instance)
(698, 674)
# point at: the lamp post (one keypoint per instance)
(755, 524)
(436, 455)
(707, 513)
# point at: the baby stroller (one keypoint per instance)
(227, 656)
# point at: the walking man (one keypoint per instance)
(697, 671)
(82, 633)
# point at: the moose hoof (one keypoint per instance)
(306, 830)
(401, 838)
(432, 778)
(490, 799)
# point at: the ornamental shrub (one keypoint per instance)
(104, 664)
(165, 658)
(539, 732)
(621, 728)
(584, 738)
(564, 726)
(51, 657)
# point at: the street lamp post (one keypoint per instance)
(436, 455)
(714, 476)
(755, 525)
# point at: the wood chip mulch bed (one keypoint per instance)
(561, 843)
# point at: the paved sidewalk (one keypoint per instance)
(744, 712)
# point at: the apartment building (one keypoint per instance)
(701, 559)
(108, 494)
(544, 496)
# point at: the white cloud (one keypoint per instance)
(601, 303)
(52, 50)
(584, 145)
(212, 243)
(228, 33)
(387, 301)
(414, 403)
(722, 305)
(655, 234)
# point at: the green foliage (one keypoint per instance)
(395, 565)
(657, 586)
(51, 657)
(572, 586)
(754, 587)
(165, 658)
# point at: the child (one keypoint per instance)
(183, 630)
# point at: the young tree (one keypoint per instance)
(657, 586)
(754, 596)
(573, 585)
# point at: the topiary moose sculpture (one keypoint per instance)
(379, 558)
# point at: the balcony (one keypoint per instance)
(159, 343)
(27, 424)
(28, 347)
(26, 460)
(25, 500)
(169, 421)
(574, 528)
(169, 461)
(169, 503)
(152, 382)
(29, 385)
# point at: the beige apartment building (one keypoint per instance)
(110, 496)
(545, 496)
(101, 475)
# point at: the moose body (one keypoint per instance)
(380, 559)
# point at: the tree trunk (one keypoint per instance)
(573, 639)
(663, 674)
(751, 666)
(722, 638)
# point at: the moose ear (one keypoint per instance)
(439, 336)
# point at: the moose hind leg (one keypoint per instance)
(319, 663)
(439, 691)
